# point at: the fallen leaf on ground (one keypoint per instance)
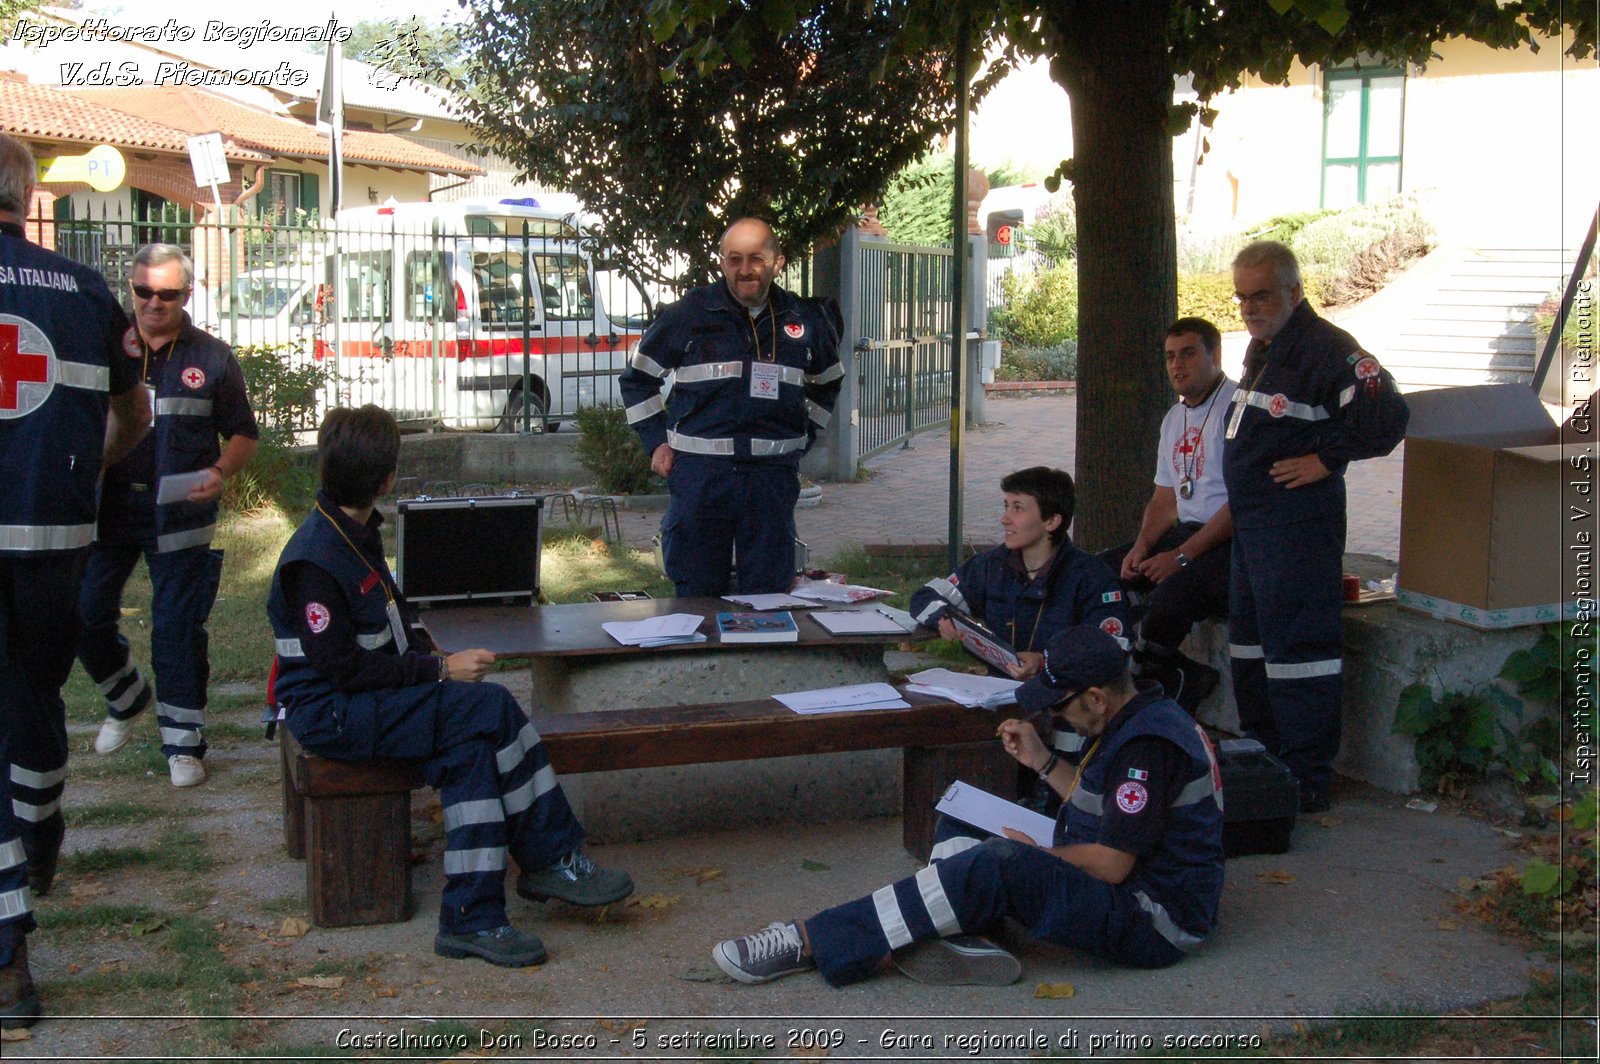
(110, 966)
(321, 982)
(149, 927)
(1278, 877)
(387, 992)
(1329, 821)
(655, 901)
(15, 1034)
(1448, 925)
(90, 890)
(808, 865)
(1054, 990)
(708, 875)
(293, 927)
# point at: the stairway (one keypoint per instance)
(1477, 325)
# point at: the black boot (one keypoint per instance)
(43, 848)
(19, 1001)
(1185, 681)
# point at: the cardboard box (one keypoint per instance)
(1481, 508)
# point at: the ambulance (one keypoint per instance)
(463, 314)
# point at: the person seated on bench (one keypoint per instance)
(1035, 584)
(358, 683)
(1176, 571)
(1134, 875)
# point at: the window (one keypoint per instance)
(564, 284)
(429, 293)
(290, 198)
(1363, 118)
(366, 285)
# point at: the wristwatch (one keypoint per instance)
(1183, 559)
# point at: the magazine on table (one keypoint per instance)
(758, 627)
(980, 641)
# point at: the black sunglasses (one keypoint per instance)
(166, 295)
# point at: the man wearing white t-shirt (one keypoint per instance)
(1178, 567)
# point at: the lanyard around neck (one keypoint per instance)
(387, 594)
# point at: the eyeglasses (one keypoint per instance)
(166, 295)
(1061, 707)
(1255, 299)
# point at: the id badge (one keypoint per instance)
(764, 378)
(397, 627)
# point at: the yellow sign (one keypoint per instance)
(101, 168)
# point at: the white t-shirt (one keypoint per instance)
(1191, 447)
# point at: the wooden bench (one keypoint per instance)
(351, 821)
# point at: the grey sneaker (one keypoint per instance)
(965, 960)
(577, 880)
(769, 954)
(505, 946)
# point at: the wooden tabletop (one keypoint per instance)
(574, 629)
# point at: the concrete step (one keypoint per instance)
(1492, 289)
(1468, 328)
(1556, 255)
(1476, 361)
(1476, 313)
(1477, 345)
(1414, 379)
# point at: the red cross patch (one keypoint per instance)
(193, 378)
(1367, 368)
(130, 343)
(1132, 797)
(1278, 405)
(317, 617)
(1111, 626)
(27, 367)
(795, 330)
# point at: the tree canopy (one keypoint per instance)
(595, 98)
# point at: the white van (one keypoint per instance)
(463, 313)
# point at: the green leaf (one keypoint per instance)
(1540, 877)
(148, 927)
(1415, 711)
(1333, 19)
(1282, 7)
(808, 865)
(778, 15)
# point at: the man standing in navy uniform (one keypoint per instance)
(1310, 402)
(199, 395)
(60, 358)
(757, 372)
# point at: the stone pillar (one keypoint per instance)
(977, 251)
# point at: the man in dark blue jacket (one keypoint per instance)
(69, 404)
(1133, 873)
(199, 394)
(756, 372)
(1309, 403)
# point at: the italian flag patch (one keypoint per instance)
(1111, 596)
(1138, 774)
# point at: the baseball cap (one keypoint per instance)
(1081, 657)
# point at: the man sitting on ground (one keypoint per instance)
(1176, 572)
(358, 683)
(1134, 875)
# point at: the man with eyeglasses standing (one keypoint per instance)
(756, 373)
(198, 395)
(69, 402)
(1310, 402)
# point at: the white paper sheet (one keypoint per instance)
(843, 699)
(770, 602)
(822, 591)
(175, 487)
(655, 631)
(965, 688)
(976, 806)
(858, 622)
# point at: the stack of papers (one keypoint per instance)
(822, 591)
(985, 692)
(976, 806)
(770, 602)
(844, 699)
(881, 621)
(656, 631)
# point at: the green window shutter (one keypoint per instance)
(308, 194)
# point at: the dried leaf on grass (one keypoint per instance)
(703, 974)
(1447, 924)
(92, 889)
(654, 901)
(321, 982)
(707, 875)
(1329, 821)
(808, 865)
(148, 927)
(1276, 877)
(1054, 990)
(15, 1034)
(293, 927)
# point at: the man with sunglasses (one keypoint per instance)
(69, 402)
(755, 375)
(1310, 402)
(198, 395)
(1133, 875)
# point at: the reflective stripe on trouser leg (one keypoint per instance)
(102, 650)
(540, 825)
(1244, 649)
(850, 940)
(184, 587)
(35, 794)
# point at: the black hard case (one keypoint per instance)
(481, 550)
(1261, 799)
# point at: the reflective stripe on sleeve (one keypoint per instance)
(1245, 651)
(827, 376)
(288, 648)
(645, 364)
(46, 537)
(1262, 400)
(82, 375)
(649, 408)
(819, 413)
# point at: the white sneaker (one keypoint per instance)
(187, 770)
(114, 735)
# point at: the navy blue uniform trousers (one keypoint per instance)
(498, 790)
(721, 507)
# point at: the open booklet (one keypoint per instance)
(976, 806)
(980, 641)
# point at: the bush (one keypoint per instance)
(1054, 231)
(1041, 309)
(609, 449)
(1354, 251)
(1058, 363)
(1284, 227)
(283, 386)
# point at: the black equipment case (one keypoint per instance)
(479, 551)
(1260, 799)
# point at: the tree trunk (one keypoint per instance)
(1113, 61)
